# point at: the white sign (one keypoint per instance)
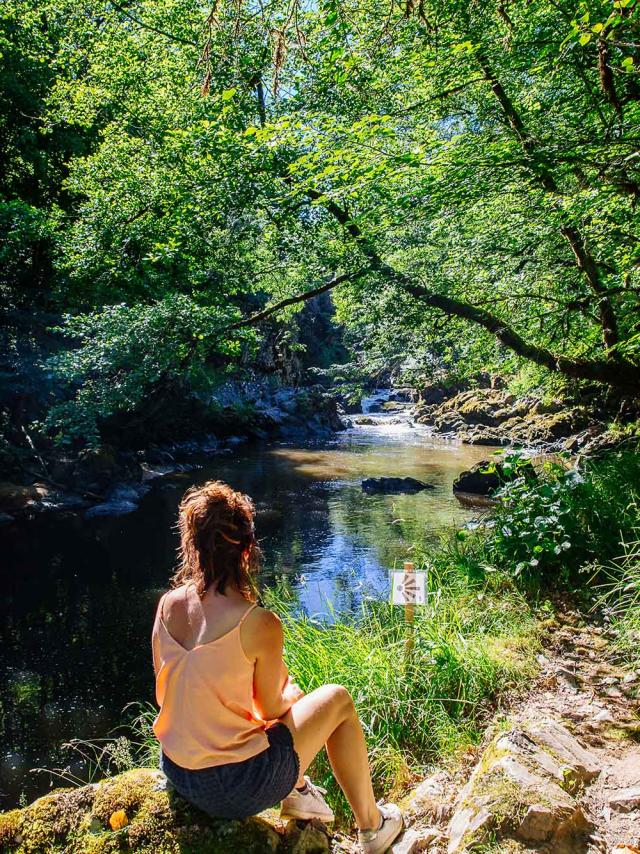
(408, 588)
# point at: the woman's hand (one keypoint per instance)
(292, 693)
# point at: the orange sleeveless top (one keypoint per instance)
(205, 695)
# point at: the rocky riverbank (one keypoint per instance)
(111, 479)
(493, 416)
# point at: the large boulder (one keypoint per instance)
(484, 478)
(524, 789)
(480, 479)
(135, 812)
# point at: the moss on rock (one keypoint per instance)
(136, 812)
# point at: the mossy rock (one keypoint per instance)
(523, 789)
(136, 812)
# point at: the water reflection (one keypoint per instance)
(79, 594)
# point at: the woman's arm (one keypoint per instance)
(274, 693)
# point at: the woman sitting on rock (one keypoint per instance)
(236, 733)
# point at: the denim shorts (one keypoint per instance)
(240, 789)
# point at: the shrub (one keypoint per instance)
(549, 529)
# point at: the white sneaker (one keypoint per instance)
(391, 826)
(307, 805)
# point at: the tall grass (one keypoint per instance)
(621, 597)
(474, 640)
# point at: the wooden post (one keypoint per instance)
(409, 614)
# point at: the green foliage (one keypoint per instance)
(125, 350)
(552, 528)
(475, 152)
(26, 235)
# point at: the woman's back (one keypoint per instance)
(204, 680)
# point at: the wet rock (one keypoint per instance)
(394, 484)
(234, 441)
(14, 496)
(522, 790)
(484, 436)
(485, 477)
(365, 421)
(402, 395)
(127, 492)
(111, 508)
(96, 469)
(484, 416)
(477, 480)
(625, 800)
(395, 406)
(149, 817)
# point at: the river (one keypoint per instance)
(79, 594)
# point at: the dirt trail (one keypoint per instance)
(583, 685)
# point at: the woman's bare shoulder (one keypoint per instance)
(262, 628)
(175, 599)
(263, 619)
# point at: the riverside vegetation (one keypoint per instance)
(474, 646)
(217, 223)
(443, 188)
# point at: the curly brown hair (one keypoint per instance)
(217, 540)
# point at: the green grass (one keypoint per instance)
(621, 598)
(474, 642)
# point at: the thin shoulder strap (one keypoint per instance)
(246, 613)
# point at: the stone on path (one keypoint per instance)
(522, 789)
(626, 800)
(415, 839)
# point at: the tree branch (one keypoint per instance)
(584, 259)
(619, 374)
(171, 36)
(259, 316)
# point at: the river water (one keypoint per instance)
(79, 594)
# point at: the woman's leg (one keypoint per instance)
(328, 717)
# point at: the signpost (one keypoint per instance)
(409, 589)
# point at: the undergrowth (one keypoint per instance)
(621, 598)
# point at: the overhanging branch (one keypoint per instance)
(259, 316)
(619, 374)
